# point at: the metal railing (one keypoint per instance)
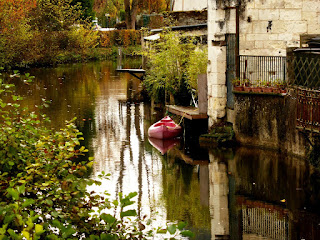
(304, 70)
(308, 109)
(263, 69)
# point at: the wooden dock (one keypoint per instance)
(188, 112)
(133, 72)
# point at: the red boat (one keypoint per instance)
(164, 129)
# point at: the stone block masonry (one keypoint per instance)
(266, 28)
(269, 122)
(275, 21)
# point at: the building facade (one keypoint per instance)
(188, 5)
(263, 27)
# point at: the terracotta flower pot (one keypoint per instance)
(247, 89)
(283, 90)
(238, 88)
(267, 89)
(276, 90)
(256, 89)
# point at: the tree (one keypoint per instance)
(153, 6)
(173, 62)
(87, 8)
(56, 15)
(131, 10)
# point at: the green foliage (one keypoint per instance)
(197, 64)
(43, 188)
(120, 38)
(172, 61)
(55, 15)
(87, 8)
(53, 28)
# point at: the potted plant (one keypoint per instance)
(237, 85)
(257, 87)
(281, 85)
(266, 86)
(247, 85)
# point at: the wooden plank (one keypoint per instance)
(189, 112)
(131, 70)
(202, 93)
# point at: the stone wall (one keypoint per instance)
(268, 121)
(188, 18)
(268, 27)
(189, 5)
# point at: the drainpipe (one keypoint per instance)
(237, 47)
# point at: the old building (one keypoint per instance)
(188, 5)
(265, 28)
(249, 40)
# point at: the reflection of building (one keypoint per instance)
(218, 199)
(261, 195)
(265, 220)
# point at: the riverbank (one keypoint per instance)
(66, 57)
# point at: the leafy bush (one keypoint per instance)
(42, 31)
(173, 62)
(43, 183)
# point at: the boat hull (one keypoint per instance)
(166, 128)
(163, 145)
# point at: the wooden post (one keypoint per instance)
(202, 93)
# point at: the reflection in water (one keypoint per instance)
(163, 145)
(242, 194)
(262, 195)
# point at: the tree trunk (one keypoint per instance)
(131, 10)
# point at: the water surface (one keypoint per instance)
(222, 194)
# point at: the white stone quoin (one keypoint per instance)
(217, 91)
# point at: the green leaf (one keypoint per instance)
(187, 233)
(162, 231)
(129, 213)
(94, 237)
(26, 234)
(21, 189)
(8, 219)
(181, 225)
(27, 203)
(66, 232)
(105, 236)
(14, 235)
(14, 193)
(39, 229)
(3, 229)
(108, 218)
(49, 202)
(172, 229)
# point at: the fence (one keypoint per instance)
(304, 70)
(308, 109)
(267, 69)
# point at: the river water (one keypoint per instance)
(238, 193)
